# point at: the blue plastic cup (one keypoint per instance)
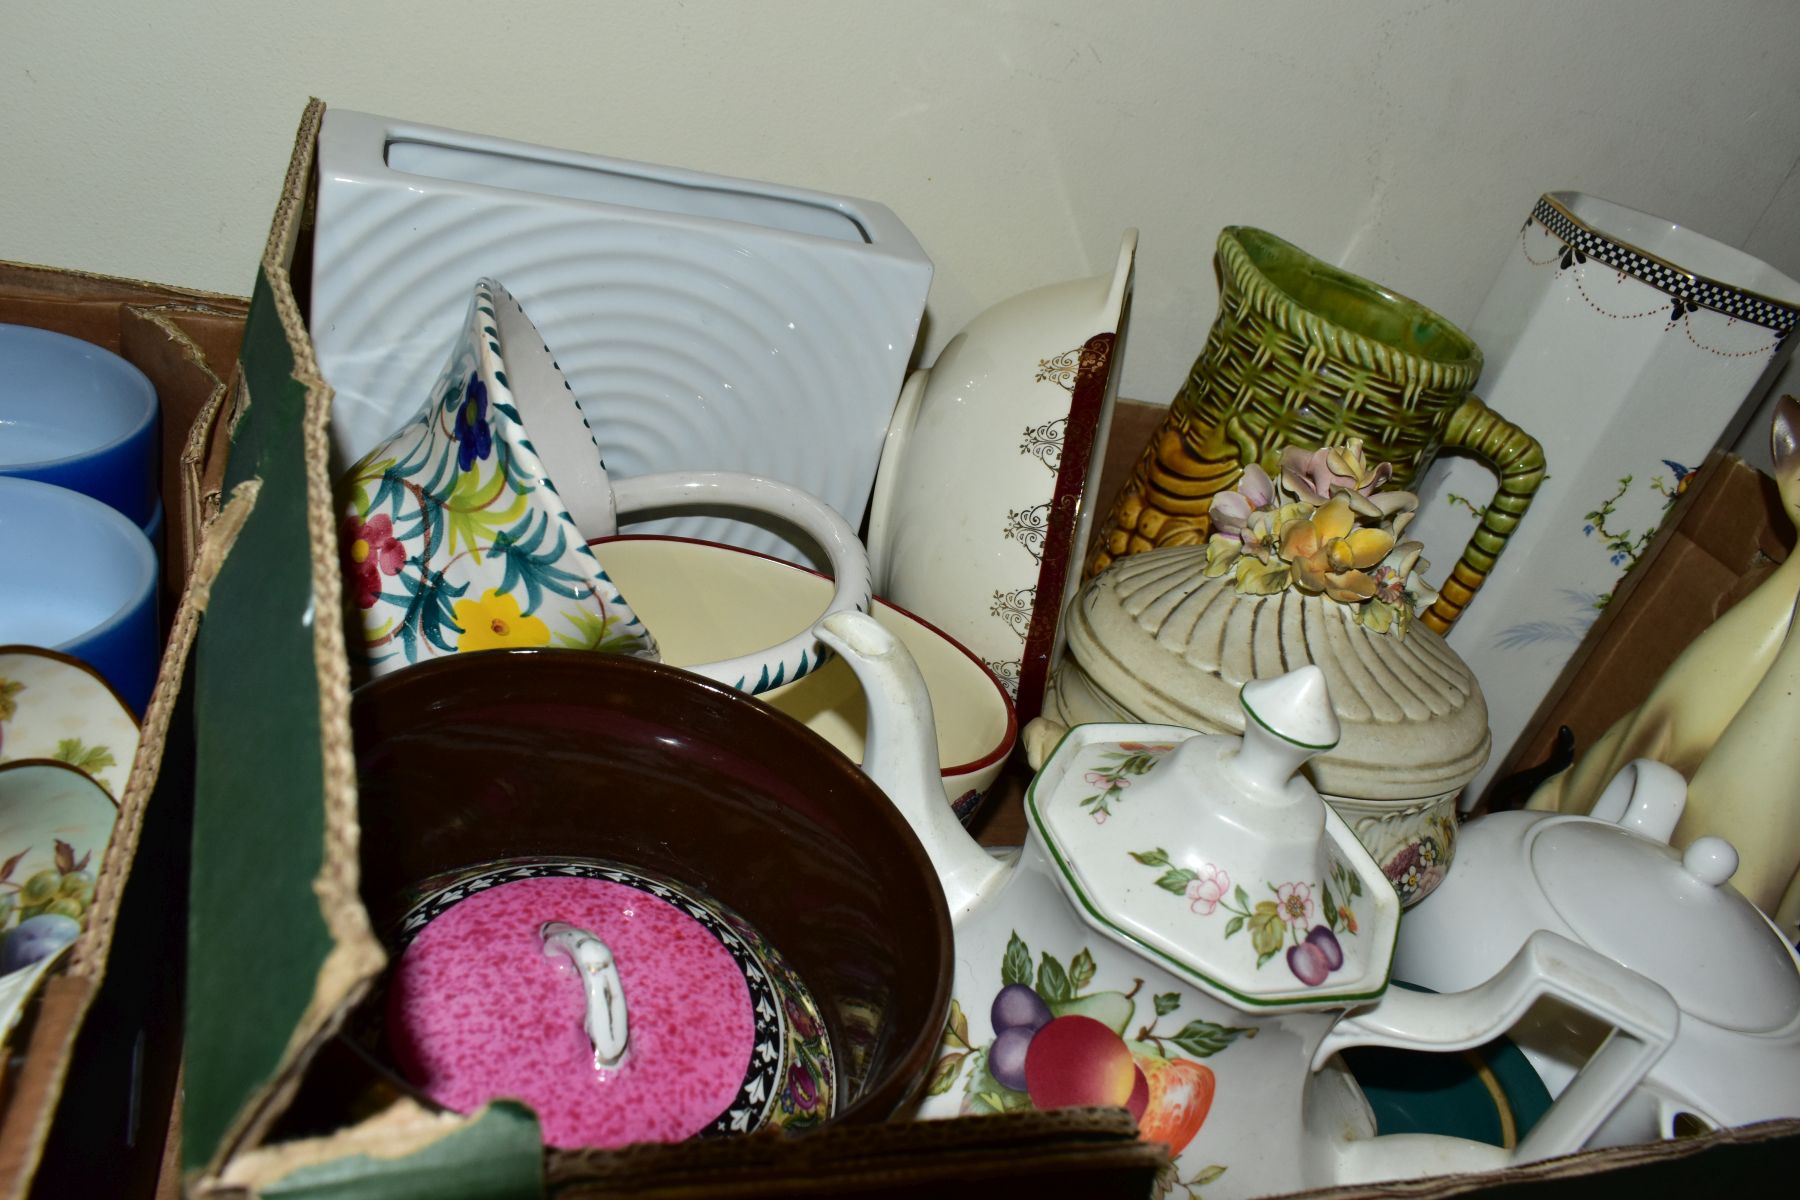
(77, 576)
(80, 417)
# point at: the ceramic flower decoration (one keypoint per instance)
(1326, 528)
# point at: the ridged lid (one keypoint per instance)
(1168, 644)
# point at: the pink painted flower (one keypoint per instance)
(1404, 862)
(1231, 510)
(1315, 476)
(1207, 888)
(802, 1090)
(370, 551)
(1307, 474)
(1101, 779)
(1294, 903)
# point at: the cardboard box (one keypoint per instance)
(281, 951)
(87, 1099)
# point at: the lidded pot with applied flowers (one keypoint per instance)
(1310, 566)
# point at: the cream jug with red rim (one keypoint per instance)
(1191, 933)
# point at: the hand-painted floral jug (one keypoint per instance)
(468, 528)
(1302, 351)
(1190, 933)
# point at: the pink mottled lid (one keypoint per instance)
(480, 1007)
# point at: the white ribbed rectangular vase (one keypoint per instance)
(704, 323)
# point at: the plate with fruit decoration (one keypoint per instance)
(55, 822)
(56, 707)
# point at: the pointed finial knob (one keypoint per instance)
(1287, 720)
(1294, 707)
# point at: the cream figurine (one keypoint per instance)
(1724, 715)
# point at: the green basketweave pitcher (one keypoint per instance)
(1306, 354)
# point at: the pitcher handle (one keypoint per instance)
(1643, 1016)
(785, 661)
(1518, 459)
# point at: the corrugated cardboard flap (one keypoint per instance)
(279, 945)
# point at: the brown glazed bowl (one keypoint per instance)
(505, 754)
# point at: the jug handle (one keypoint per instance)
(1518, 459)
(785, 661)
(1643, 1016)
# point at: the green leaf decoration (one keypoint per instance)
(1331, 908)
(9, 688)
(1138, 762)
(986, 1102)
(83, 757)
(1016, 968)
(989, 1095)
(1081, 970)
(1242, 897)
(359, 477)
(1257, 578)
(592, 632)
(1204, 1176)
(956, 1029)
(944, 1074)
(1053, 981)
(1233, 925)
(1176, 880)
(1221, 555)
(430, 613)
(1167, 1003)
(530, 554)
(1377, 616)
(1265, 957)
(479, 510)
(1265, 929)
(1203, 1039)
(1356, 885)
(1151, 858)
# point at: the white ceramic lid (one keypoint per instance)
(1211, 856)
(1672, 917)
(1165, 643)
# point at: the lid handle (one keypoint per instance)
(593, 959)
(1290, 719)
(1711, 860)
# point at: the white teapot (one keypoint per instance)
(1191, 933)
(1611, 881)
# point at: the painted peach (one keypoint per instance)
(1181, 1094)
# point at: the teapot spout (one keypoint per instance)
(900, 755)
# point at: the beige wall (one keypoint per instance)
(1405, 140)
